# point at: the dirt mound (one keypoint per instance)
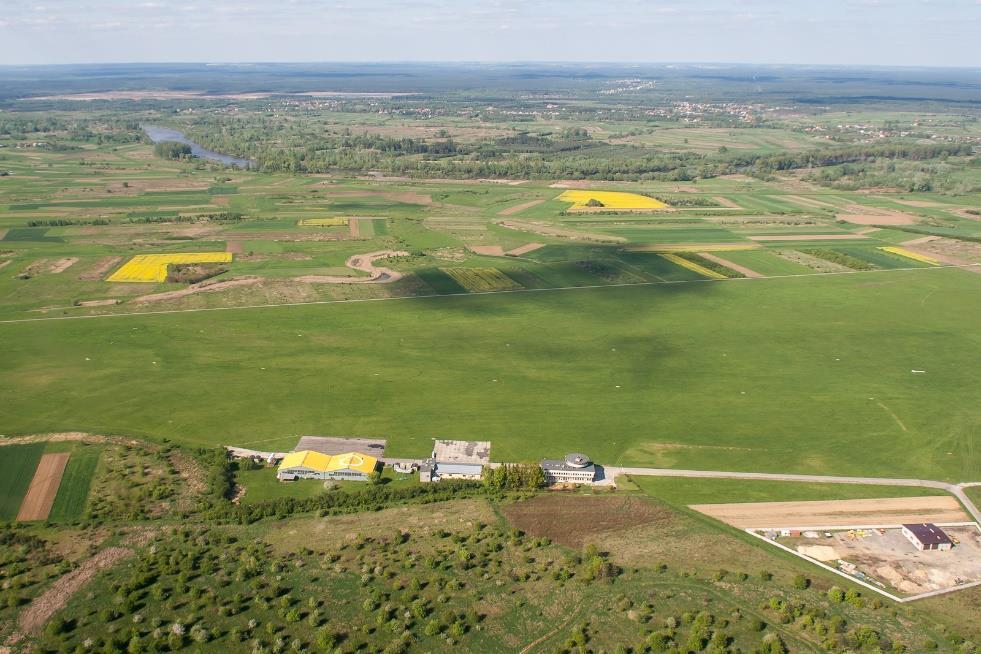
(573, 520)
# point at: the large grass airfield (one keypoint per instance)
(801, 374)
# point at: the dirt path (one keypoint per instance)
(729, 264)
(518, 208)
(363, 262)
(99, 269)
(44, 486)
(37, 613)
(549, 634)
(844, 513)
(207, 286)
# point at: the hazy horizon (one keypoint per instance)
(890, 33)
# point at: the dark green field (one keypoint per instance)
(792, 374)
(69, 504)
(17, 465)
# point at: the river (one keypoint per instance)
(158, 134)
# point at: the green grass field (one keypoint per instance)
(73, 493)
(792, 374)
(17, 465)
(683, 491)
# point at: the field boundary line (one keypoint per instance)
(245, 307)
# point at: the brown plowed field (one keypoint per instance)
(44, 486)
(574, 520)
(844, 513)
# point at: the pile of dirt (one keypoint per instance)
(573, 520)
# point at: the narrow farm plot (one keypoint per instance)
(909, 254)
(69, 503)
(41, 493)
(844, 513)
(153, 267)
(323, 222)
(694, 267)
(479, 280)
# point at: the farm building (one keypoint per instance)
(576, 468)
(307, 464)
(455, 460)
(927, 536)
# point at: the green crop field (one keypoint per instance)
(17, 465)
(787, 374)
(73, 493)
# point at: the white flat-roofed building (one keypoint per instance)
(575, 468)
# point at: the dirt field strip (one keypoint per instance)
(918, 241)
(518, 208)
(524, 249)
(726, 202)
(235, 247)
(487, 250)
(97, 271)
(692, 247)
(44, 486)
(61, 265)
(844, 513)
(5, 263)
(807, 203)
(868, 230)
(729, 264)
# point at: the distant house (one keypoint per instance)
(307, 464)
(576, 468)
(927, 536)
(455, 460)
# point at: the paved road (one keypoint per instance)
(957, 490)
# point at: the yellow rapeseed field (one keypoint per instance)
(153, 267)
(903, 252)
(691, 265)
(610, 200)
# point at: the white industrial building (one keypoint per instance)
(576, 468)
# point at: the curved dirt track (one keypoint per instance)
(364, 263)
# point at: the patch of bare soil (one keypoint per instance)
(964, 251)
(726, 202)
(574, 520)
(98, 303)
(524, 249)
(487, 250)
(845, 513)
(5, 263)
(34, 268)
(867, 230)
(518, 208)
(61, 265)
(919, 203)
(545, 229)
(190, 471)
(101, 267)
(365, 263)
(37, 613)
(207, 286)
(892, 218)
(814, 263)
(56, 437)
(729, 264)
(40, 496)
(234, 246)
(807, 203)
(570, 183)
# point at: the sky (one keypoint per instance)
(851, 32)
